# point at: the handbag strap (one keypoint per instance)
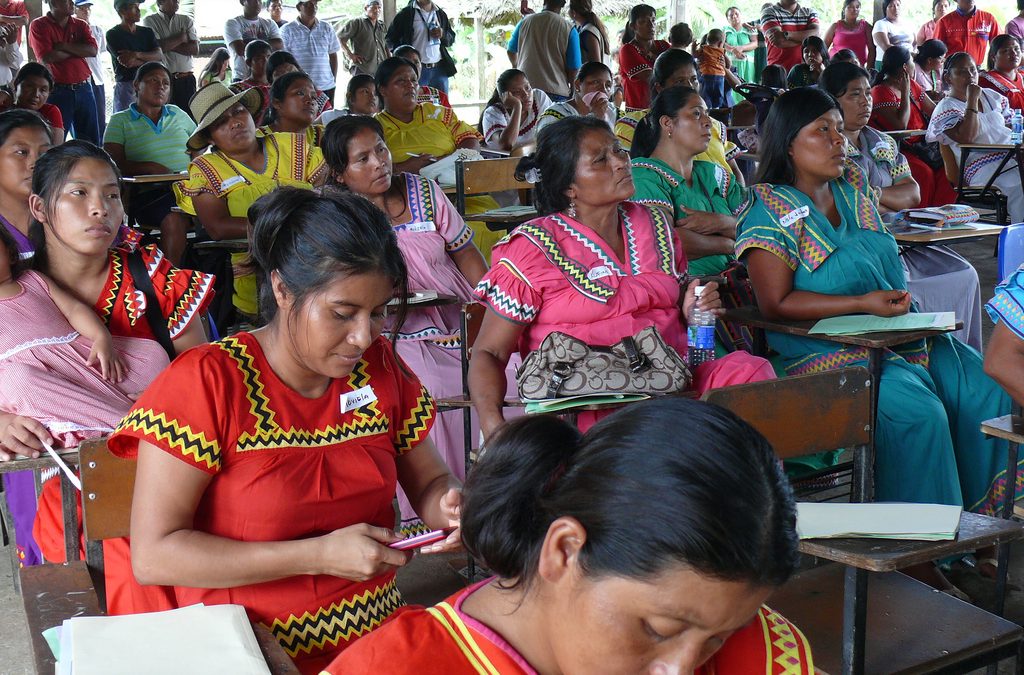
(156, 320)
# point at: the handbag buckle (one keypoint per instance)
(559, 374)
(638, 361)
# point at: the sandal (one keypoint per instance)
(958, 594)
(991, 562)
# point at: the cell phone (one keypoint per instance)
(421, 540)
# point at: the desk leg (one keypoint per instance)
(1007, 513)
(855, 610)
(864, 461)
(69, 507)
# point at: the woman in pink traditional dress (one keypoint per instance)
(1003, 74)
(440, 255)
(594, 266)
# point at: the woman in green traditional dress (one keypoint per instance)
(703, 197)
(816, 247)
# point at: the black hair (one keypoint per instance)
(20, 118)
(357, 82)
(386, 70)
(815, 42)
(790, 113)
(774, 76)
(14, 260)
(930, 49)
(336, 139)
(893, 60)
(635, 14)
(935, 3)
(49, 177)
(278, 90)
(149, 67)
(724, 507)
(838, 76)
(32, 69)
(845, 55)
(556, 156)
(501, 86)
(591, 67)
(256, 47)
(405, 49)
(585, 8)
(668, 64)
(998, 42)
(667, 103)
(278, 59)
(217, 59)
(680, 34)
(310, 239)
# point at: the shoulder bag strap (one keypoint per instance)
(156, 320)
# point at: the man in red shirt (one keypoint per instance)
(63, 42)
(967, 29)
(785, 25)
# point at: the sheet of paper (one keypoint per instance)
(514, 210)
(548, 405)
(199, 640)
(927, 522)
(857, 324)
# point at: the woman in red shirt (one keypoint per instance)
(636, 58)
(32, 86)
(1004, 58)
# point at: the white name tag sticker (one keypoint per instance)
(793, 216)
(599, 273)
(422, 226)
(354, 400)
(230, 182)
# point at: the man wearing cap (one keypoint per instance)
(130, 45)
(177, 36)
(425, 26)
(83, 11)
(241, 30)
(314, 45)
(63, 43)
(362, 41)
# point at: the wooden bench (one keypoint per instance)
(850, 629)
(52, 593)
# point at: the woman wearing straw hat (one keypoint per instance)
(239, 168)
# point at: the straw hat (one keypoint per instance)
(214, 100)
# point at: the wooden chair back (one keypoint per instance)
(484, 176)
(949, 164)
(808, 414)
(108, 483)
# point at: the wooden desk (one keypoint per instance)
(441, 300)
(1010, 150)
(503, 221)
(232, 245)
(953, 236)
(902, 134)
(149, 179)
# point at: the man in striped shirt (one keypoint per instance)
(785, 25)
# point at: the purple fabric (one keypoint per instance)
(24, 245)
(19, 489)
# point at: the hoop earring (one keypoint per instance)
(571, 211)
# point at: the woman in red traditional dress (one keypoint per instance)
(594, 577)
(268, 461)
(636, 58)
(1003, 74)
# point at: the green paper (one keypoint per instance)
(549, 405)
(52, 637)
(857, 324)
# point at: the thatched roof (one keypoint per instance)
(508, 10)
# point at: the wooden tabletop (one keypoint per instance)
(155, 178)
(441, 300)
(906, 133)
(233, 245)
(951, 236)
(1009, 427)
(44, 461)
(887, 555)
(751, 316)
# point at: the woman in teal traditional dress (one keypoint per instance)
(703, 197)
(815, 247)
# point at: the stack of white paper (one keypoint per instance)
(926, 522)
(198, 640)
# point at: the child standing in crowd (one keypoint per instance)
(712, 64)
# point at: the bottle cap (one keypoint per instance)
(697, 291)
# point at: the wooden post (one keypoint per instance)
(389, 12)
(677, 11)
(482, 92)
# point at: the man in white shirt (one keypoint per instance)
(177, 36)
(83, 9)
(241, 30)
(315, 45)
(426, 27)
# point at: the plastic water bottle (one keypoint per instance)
(700, 334)
(1017, 128)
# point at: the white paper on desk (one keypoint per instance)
(858, 324)
(199, 640)
(927, 522)
(443, 170)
